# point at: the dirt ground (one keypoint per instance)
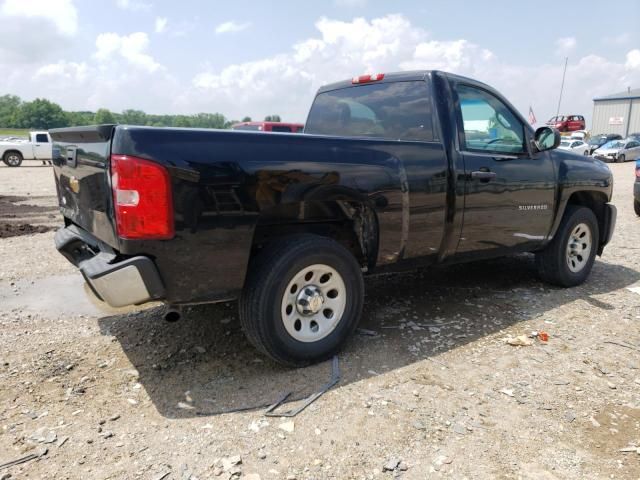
(429, 388)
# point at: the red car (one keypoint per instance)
(567, 123)
(269, 127)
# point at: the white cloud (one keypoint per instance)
(62, 13)
(633, 60)
(285, 83)
(232, 27)
(132, 48)
(76, 72)
(566, 45)
(133, 5)
(122, 73)
(161, 24)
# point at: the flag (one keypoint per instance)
(532, 117)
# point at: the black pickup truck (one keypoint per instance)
(393, 171)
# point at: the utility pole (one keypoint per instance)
(566, 60)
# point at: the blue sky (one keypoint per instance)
(257, 58)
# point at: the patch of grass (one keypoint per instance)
(14, 132)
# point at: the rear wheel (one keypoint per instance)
(12, 159)
(636, 207)
(302, 300)
(586, 153)
(568, 259)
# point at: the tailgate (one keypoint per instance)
(81, 168)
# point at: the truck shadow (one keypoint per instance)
(203, 365)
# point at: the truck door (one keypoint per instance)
(41, 147)
(509, 191)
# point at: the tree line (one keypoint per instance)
(42, 114)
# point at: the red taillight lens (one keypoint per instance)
(367, 78)
(637, 171)
(142, 198)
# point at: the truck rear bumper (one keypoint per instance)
(118, 282)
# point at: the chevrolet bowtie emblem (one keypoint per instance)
(74, 184)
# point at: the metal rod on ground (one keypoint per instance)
(566, 60)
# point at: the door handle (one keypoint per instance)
(483, 175)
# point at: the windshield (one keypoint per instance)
(614, 144)
(564, 144)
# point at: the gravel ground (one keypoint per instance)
(429, 388)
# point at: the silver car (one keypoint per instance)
(618, 150)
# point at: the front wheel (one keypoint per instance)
(12, 159)
(621, 159)
(636, 207)
(568, 259)
(302, 300)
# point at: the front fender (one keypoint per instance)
(581, 180)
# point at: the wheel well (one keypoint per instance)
(11, 151)
(352, 224)
(595, 201)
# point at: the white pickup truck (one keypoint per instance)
(38, 147)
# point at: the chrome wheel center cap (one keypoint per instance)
(310, 300)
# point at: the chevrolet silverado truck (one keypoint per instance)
(37, 147)
(392, 172)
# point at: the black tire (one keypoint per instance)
(269, 276)
(636, 207)
(586, 153)
(12, 159)
(621, 159)
(553, 262)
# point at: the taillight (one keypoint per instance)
(142, 198)
(637, 171)
(367, 78)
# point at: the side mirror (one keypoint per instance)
(546, 138)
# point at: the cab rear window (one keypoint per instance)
(393, 111)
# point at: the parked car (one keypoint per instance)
(619, 151)
(580, 135)
(576, 146)
(269, 127)
(635, 136)
(636, 190)
(599, 140)
(394, 171)
(567, 123)
(38, 147)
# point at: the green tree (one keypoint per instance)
(104, 116)
(79, 118)
(246, 119)
(9, 108)
(41, 114)
(134, 117)
(272, 118)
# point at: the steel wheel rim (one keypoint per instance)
(579, 247)
(13, 160)
(313, 303)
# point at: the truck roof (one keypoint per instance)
(407, 76)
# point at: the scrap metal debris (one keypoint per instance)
(335, 378)
(25, 459)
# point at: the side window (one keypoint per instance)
(633, 144)
(42, 138)
(489, 125)
(577, 144)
